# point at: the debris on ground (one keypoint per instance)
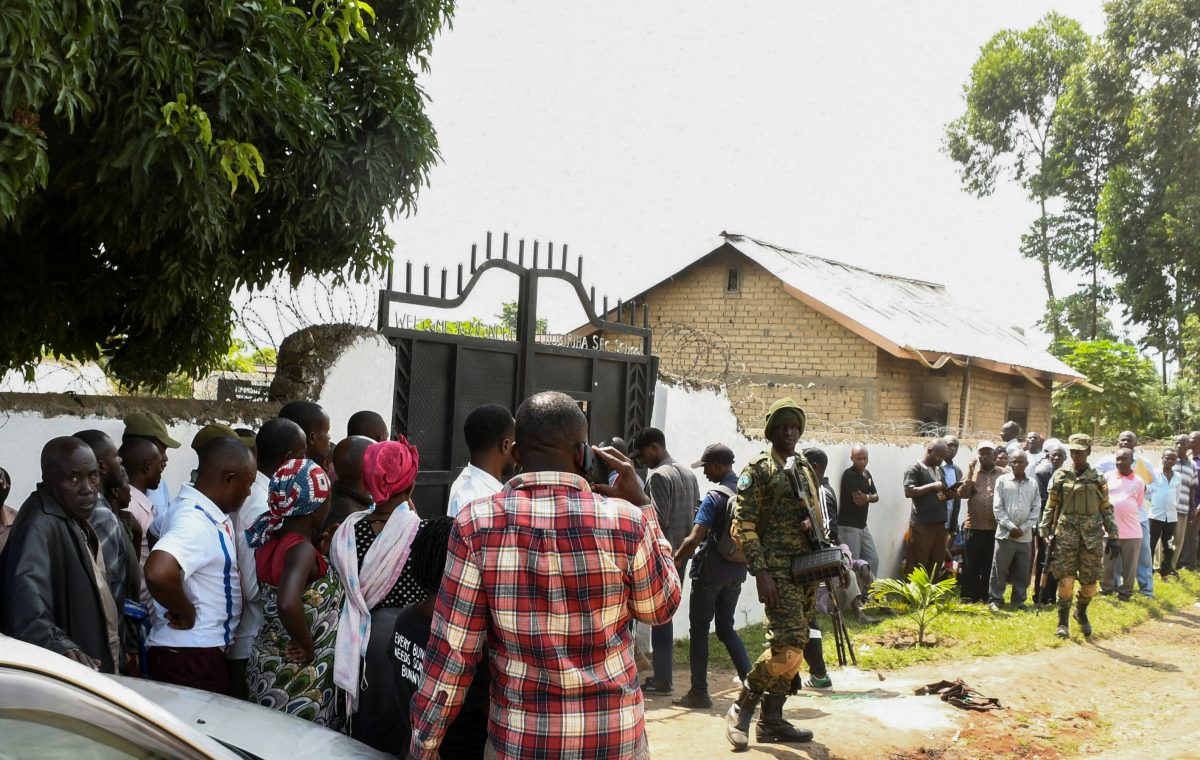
(959, 694)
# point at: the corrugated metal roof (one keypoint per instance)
(905, 312)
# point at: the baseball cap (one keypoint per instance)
(715, 452)
(985, 445)
(1079, 442)
(211, 431)
(149, 425)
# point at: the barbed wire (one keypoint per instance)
(270, 315)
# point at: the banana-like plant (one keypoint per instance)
(919, 597)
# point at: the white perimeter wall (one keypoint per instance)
(362, 377)
(692, 420)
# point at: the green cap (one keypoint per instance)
(1079, 442)
(149, 425)
(780, 410)
(211, 431)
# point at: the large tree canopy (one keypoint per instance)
(155, 155)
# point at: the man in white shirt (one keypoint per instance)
(193, 574)
(489, 431)
(278, 441)
(153, 428)
(144, 465)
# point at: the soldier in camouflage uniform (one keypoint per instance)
(1077, 514)
(772, 524)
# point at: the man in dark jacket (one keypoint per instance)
(52, 587)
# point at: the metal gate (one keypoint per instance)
(441, 377)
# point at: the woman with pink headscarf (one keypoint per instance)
(370, 551)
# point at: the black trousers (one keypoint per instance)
(977, 565)
(1162, 531)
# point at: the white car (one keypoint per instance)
(52, 707)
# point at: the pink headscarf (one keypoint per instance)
(389, 468)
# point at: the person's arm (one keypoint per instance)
(298, 565)
(998, 510)
(1035, 510)
(164, 579)
(658, 486)
(688, 547)
(456, 638)
(744, 529)
(654, 587)
(28, 609)
(913, 491)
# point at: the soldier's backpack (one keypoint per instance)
(726, 546)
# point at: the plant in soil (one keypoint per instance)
(920, 598)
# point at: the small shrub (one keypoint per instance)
(919, 597)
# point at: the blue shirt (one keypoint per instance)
(709, 566)
(1164, 497)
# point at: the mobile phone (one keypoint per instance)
(594, 468)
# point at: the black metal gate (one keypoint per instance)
(441, 377)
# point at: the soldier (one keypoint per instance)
(1076, 517)
(772, 523)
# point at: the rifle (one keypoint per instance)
(1045, 564)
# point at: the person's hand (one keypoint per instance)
(806, 524)
(860, 499)
(78, 656)
(1016, 533)
(938, 486)
(768, 592)
(1112, 549)
(182, 620)
(971, 468)
(298, 652)
(626, 485)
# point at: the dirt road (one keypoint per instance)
(1134, 696)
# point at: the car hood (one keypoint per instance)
(258, 730)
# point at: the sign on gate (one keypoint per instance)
(441, 375)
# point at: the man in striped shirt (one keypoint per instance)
(549, 573)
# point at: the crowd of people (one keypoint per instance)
(297, 574)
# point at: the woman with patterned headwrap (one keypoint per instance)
(291, 664)
(370, 551)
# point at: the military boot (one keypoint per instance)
(737, 720)
(1081, 605)
(1064, 610)
(773, 728)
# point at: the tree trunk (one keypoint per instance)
(1044, 256)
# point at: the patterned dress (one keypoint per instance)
(302, 689)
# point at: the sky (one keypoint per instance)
(636, 133)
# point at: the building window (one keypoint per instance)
(733, 281)
(934, 418)
(1019, 416)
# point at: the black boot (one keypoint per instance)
(773, 728)
(1081, 605)
(1064, 610)
(737, 720)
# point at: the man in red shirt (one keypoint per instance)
(549, 574)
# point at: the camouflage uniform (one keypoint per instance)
(766, 523)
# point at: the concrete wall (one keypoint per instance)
(692, 419)
(362, 377)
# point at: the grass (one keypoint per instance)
(974, 631)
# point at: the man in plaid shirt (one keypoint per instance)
(549, 574)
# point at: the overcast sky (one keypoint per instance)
(638, 132)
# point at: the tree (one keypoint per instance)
(508, 318)
(1012, 101)
(919, 597)
(1151, 203)
(1130, 396)
(155, 155)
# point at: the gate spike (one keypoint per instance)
(488, 250)
(535, 254)
(426, 279)
(564, 259)
(391, 272)
(521, 252)
(645, 315)
(460, 278)
(620, 311)
(579, 267)
(504, 248)
(605, 317)
(474, 250)
(443, 283)
(592, 294)
(550, 255)
(408, 277)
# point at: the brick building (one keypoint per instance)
(855, 347)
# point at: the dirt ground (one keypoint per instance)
(1134, 696)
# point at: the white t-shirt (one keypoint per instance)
(252, 607)
(200, 538)
(471, 484)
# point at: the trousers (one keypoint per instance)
(1125, 564)
(709, 601)
(978, 552)
(861, 545)
(787, 633)
(1010, 564)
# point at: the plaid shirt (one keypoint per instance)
(551, 574)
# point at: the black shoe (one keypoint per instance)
(694, 700)
(737, 720)
(1064, 611)
(656, 687)
(1085, 626)
(772, 728)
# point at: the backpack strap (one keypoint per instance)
(723, 490)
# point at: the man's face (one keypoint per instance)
(1009, 431)
(987, 458)
(1127, 440)
(236, 489)
(784, 437)
(74, 481)
(1080, 458)
(1124, 461)
(1196, 444)
(318, 441)
(162, 449)
(5, 487)
(1017, 463)
(1182, 444)
(1170, 459)
(1033, 443)
(119, 495)
(111, 467)
(154, 470)
(935, 454)
(859, 458)
(713, 471)
(1057, 457)
(652, 455)
(952, 445)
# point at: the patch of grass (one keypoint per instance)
(976, 631)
